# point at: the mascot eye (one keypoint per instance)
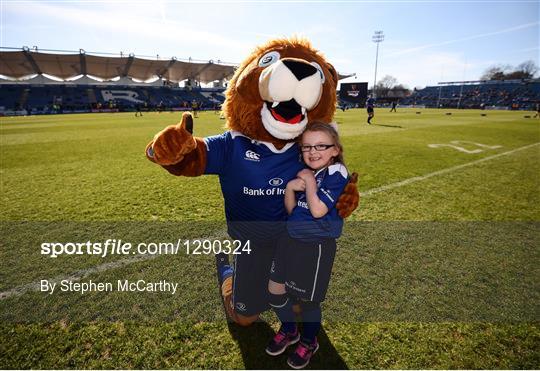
(316, 65)
(269, 58)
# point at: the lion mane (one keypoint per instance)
(244, 94)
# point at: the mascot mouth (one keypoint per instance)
(284, 120)
(289, 112)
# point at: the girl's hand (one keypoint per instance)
(297, 185)
(306, 175)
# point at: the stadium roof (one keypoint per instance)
(342, 76)
(24, 63)
(20, 64)
(475, 82)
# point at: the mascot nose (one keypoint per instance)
(299, 69)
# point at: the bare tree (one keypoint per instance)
(388, 87)
(399, 91)
(525, 70)
(529, 68)
(385, 85)
(496, 72)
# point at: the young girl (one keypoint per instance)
(303, 261)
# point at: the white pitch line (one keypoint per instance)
(80, 274)
(76, 276)
(83, 273)
(440, 172)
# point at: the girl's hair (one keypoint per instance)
(328, 129)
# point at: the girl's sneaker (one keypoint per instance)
(281, 341)
(303, 353)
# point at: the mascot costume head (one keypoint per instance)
(281, 86)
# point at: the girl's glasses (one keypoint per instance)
(316, 147)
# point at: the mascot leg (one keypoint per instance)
(224, 273)
(225, 279)
(226, 295)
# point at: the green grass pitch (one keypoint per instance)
(437, 268)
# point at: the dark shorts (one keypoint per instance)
(251, 275)
(304, 267)
(370, 110)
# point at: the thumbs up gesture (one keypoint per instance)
(170, 145)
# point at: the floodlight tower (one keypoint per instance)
(378, 37)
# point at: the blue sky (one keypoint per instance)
(426, 41)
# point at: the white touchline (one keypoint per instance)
(83, 273)
(80, 274)
(440, 172)
(76, 276)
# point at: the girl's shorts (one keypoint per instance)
(304, 267)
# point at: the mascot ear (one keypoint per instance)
(333, 73)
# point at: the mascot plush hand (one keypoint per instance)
(270, 99)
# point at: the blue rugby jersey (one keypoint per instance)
(331, 182)
(253, 176)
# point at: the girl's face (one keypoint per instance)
(321, 158)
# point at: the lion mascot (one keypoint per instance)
(281, 86)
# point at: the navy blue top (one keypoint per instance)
(302, 225)
(253, 176)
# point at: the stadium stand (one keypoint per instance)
(90, 83)
(40, 83)
(510, 94)
(44, 99)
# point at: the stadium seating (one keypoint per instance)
(40, 99)
(499, 94)
(10, 96)
(58, 98)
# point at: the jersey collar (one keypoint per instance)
(333, 168)
(270, 146)
(320, 171)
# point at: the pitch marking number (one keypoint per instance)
(456, 145)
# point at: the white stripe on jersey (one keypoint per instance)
(338, 168)
(316, 274)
